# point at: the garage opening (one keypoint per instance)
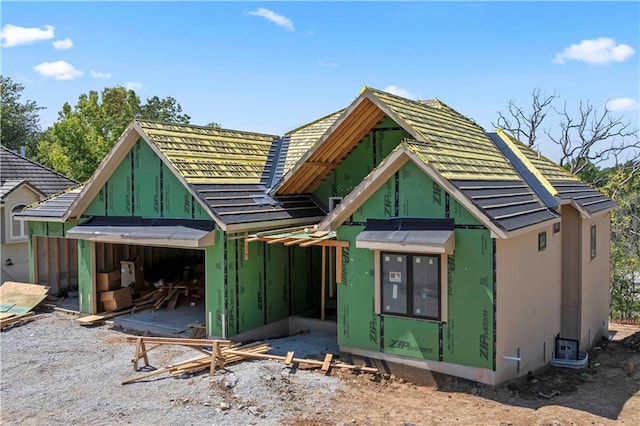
(166, 284)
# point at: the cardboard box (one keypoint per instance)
(116, 299)
(132, 273)
(106, 281)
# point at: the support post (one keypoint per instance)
(323, 281)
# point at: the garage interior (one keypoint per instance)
(169, 281)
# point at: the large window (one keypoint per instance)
(17, 226)
(411, 285)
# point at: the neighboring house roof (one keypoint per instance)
(16, 170)
(54, 207)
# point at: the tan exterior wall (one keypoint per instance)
(571, 229)
(528, 285)
(595, 281)
(15, 248)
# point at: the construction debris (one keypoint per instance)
(17, 300)
(18, 319)
(220, 353)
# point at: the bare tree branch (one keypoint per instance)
(525, 126)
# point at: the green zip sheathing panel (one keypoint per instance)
(143, 186)
(231, 281)
(301, 280)
(358, 324)
(215, 285)
(407, 337)
(273, 283)
(415, 186)
(467, 330)
(84, 277)
(277, 257)
(50, 229)
(251, 283)
(373, 148)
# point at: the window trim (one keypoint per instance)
(593, 242)
(542, 240)
(443, 281)
(17, 208)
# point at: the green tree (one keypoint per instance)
(85, 133)
(624, 186)
(20, 124)
(166, 109)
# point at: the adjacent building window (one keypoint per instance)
(556, 227)
(593, 241)
(542, 241)
(411, 285)
(17, 226)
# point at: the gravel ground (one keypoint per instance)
(54, 371)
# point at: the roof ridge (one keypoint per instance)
(10, 151)
(189, 125)
(340, 111)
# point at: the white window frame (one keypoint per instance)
(17, 208)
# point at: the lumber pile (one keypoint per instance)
(170, 295)
(18, 319)
(98, 319)
(220, 353)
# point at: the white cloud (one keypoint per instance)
(399, 91)
(279, 20)
(13, 35)
(60, 70)
(623, 104)
(133, 85)
(595, 52)
(63, 44)
(96, 74)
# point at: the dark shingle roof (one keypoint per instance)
(511, 205)
(235, 204)
(589, 199)
(16, 169)
(53, 207)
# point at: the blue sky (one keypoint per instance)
(272, 66)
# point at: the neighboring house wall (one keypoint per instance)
(528, 301)
(595, 281)
(15, 247)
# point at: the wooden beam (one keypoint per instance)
(323, 282)
(294, 242)
(338, 265)
(246, 249)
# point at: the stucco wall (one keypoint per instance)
(595, 282)
(528, 302)
(16, 249)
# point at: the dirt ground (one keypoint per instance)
(53, 371)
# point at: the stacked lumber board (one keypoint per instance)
(17, 300)
(222, 353)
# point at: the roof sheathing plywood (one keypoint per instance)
(210, 155)
(451, 143)
(303, 138)
(548, 169)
